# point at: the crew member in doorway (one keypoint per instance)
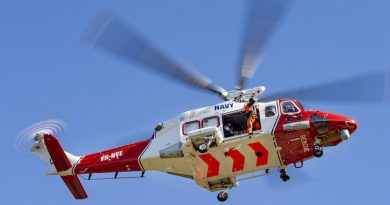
(228, 129)
(251, 117)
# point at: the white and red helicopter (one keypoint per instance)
(212, 145)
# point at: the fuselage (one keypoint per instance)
(287, 134)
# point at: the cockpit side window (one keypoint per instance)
(270, 111)
(321, 123)
(289, 107)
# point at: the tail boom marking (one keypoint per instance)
(120, 159)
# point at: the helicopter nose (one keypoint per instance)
(346, 126)
(348, 129)
(352, 125)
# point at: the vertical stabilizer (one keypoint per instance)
(49, 149)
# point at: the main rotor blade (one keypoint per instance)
(373, 87)
(263, 17)
(111, 34)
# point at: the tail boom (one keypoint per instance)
(67, 166)
(121, 159)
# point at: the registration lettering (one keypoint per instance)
(114, 155)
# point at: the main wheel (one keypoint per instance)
(285, 177)
(222, 196)
(203, 148)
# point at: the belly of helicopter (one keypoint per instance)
(223, 163)
(236, 157)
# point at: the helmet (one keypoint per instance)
(251, 101)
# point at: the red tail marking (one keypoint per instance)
(74, 185)
(57, 154)
(61, 163)
(212, 163)
(238, 160)
(261, 153)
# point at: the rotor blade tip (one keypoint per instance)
(96, 27)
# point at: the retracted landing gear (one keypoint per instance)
(317, 149)
(222, 196)
(204, 147)
(284, 176)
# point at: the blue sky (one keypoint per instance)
(46, 73)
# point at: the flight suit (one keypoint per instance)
(251, 119)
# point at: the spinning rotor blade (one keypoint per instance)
(112, 35)
(373, 87)
(263, 17)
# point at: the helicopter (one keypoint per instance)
(215, 145)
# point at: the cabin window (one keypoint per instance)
(270, 111)
(190, 126)
(210, 121)
(289, 107)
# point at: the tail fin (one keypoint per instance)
(49, 149)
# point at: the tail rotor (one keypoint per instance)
(27, 137)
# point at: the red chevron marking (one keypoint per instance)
(212, 163)
(260, 152)
(238, 160)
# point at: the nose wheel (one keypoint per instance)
(318, 152)
(284, 176)
(317, 149)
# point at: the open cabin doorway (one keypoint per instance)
(235, 123)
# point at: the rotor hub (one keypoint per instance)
(244, 95)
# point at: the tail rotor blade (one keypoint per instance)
(263, 18)
(112, 35)
(26, 138)
(372, 87)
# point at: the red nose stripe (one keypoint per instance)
(238, 160)
(212, 164)
(260, 152)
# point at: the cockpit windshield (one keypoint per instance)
(289, 107)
